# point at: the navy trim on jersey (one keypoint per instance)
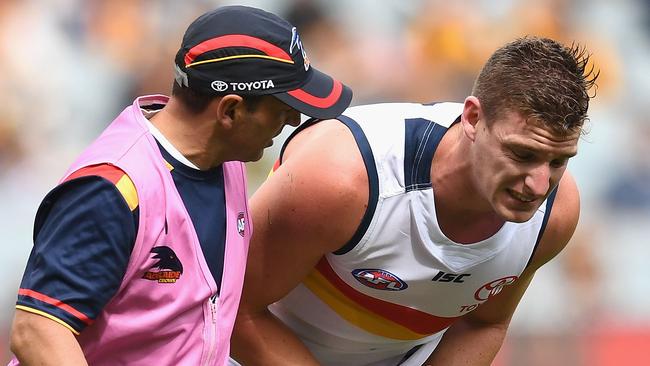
(84, 233)
(371, 168)
(307, 123)
(204, 197)
(547, 214)
(408, 354)
(422, 138)
(373, 180)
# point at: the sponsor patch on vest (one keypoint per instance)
(241, 224)
(168, 268)
(379, 279)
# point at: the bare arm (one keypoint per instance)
(477, 337)
(310, 206)
(37, 340)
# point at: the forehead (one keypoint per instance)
(516, 130)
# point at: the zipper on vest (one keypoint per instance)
(212, 340)
(213, 307)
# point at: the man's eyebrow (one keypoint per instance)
(531, 148)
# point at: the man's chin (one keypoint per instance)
(516, 216)
(257, 157)
(253, 157)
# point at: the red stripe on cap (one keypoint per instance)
(235, 40)
(319, 102)
(58, 303)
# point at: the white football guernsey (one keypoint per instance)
(388, 295)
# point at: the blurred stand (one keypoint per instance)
(70, 66)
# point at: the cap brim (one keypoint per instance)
(320, 97)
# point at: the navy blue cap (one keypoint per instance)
(248, 51)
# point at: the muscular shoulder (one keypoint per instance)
(562, 222)
(321, 188)
(328, 142)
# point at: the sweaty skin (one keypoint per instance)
(483, 175)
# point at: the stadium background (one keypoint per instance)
(69, 66)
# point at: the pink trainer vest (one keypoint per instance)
(167, 318)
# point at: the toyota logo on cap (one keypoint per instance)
(219, 85)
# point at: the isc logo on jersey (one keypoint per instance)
(379, 279)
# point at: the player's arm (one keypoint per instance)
(477, 337)
(84, 234)
(37, 340)
(311, 205)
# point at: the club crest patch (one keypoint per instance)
(168, 268)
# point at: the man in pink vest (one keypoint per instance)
(139, 252)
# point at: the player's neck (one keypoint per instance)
(463, 215)
(192, 135)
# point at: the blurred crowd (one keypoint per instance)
(70, 66)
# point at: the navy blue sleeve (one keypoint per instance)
(84, 233)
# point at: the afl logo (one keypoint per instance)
(241, 223)
(493, 288)
(219, 85)
(379, 279)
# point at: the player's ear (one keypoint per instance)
(472, 115)
(226, 109)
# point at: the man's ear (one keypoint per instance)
(472, 114)
(227, 109)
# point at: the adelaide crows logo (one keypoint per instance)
(168, 269)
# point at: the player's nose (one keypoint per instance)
(537, 181)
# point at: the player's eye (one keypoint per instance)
(559, 163)
(522, 155)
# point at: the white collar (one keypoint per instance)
(162, 140)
